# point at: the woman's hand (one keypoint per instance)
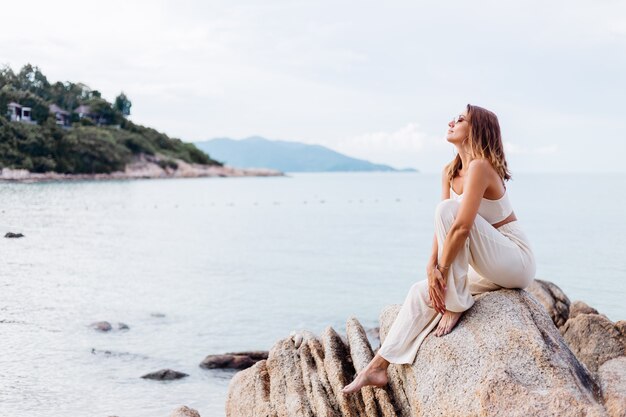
(436, 288)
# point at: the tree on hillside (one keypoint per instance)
(122, 104)
(30, 78)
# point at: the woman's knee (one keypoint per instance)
(447, 208)
(419, 289)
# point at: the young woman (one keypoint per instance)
(479, 245)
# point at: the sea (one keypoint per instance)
(206, 266)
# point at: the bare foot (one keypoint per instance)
(369, 376)
(447, 323)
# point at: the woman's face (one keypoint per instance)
(458, 129)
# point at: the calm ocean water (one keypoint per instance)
(237, 263)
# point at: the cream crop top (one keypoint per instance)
(493, 211)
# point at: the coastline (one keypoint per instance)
(142, 167)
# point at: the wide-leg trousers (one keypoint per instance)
(489, 260)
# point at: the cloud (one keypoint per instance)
(402, 147)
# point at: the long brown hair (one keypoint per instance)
(485, 141)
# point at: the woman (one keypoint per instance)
(479, 245)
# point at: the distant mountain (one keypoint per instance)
(286, 156)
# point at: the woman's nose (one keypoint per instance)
(451, 123)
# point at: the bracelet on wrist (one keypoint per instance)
(441, 266)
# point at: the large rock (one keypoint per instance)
(594, 339)
(233, 360)
(580, 307)
(552, 298)
(612, 376)
(505, 357)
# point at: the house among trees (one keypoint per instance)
(62, 117)
(85, 112)
(18, 113)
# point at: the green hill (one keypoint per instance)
(69, 128)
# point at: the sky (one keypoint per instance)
(374, 80)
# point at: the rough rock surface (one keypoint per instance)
(612, 376)
(553, 300)
(580, 307)
(185, 411)
(234, 360)
(505, 357)
(594, 339)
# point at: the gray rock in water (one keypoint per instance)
(185, 411)
(594, 339)
(612, 376)
(233, 360)
(504, 358)
(102, 326)
(552, 298)
(122, 326)
(12, 235)
(165, 375)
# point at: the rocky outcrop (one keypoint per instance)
(612, 376)
(594, 339)
(552, 298)
(233, 360)
(143, 166)
(580, 307)
(505, 357)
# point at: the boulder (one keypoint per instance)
(12, 235)
(101, 326)
(233, 360)
(612, 376)
(505, 357)
(165, 375)
(185, 411)
(594, 339)
(580, 307)
(552, 298)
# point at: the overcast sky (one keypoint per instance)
(377, 80)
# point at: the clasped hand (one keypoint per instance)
(437, 289)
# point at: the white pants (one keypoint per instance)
(489, 260)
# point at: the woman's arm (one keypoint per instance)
(436, 282)
(476, 182)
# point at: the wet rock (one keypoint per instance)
(185, 411)
(158, 315)
(552, 298)
(594, 339)
(12, 235)
(233, 360)
(580, 307)
(612, 376)
(101, 326)
(122, 326)
(165, 375)
(505, 357)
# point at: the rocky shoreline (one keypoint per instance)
(142, 167)
(515, 353)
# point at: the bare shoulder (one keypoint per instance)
(480, 165)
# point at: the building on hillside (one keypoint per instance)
(84, 111)
(61, 116)
(18, 113)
